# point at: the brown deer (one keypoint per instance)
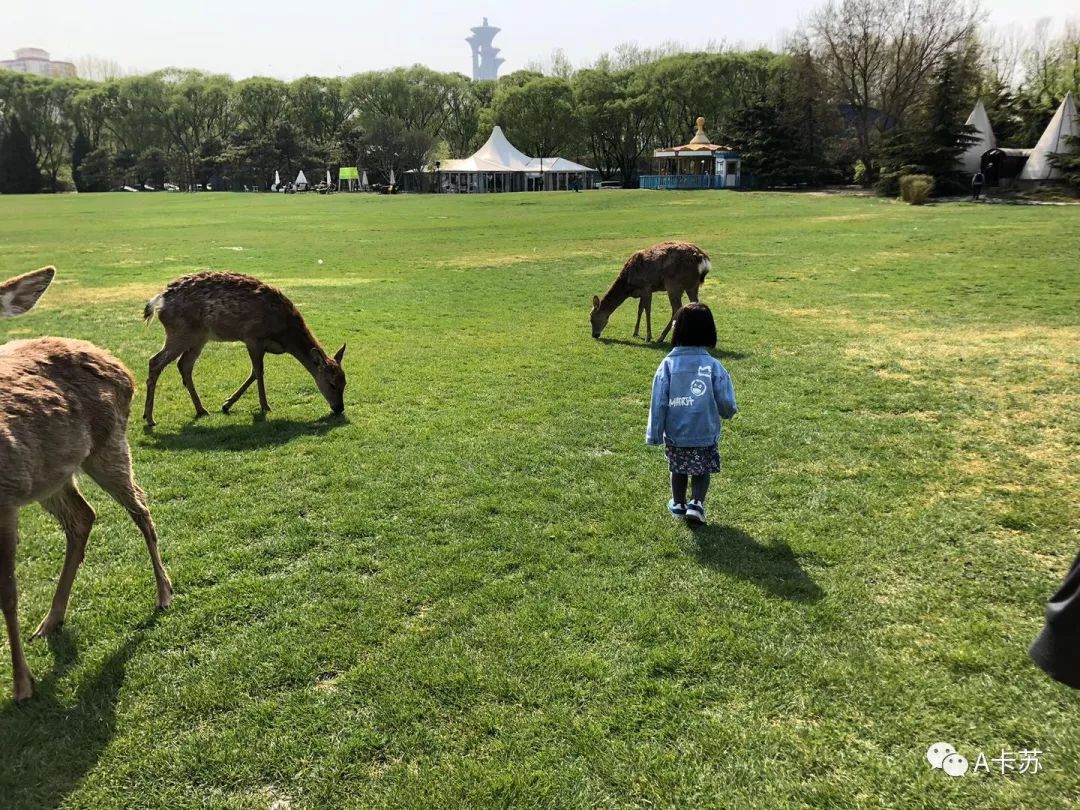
(217, 306)
(676, 267)
(64, 406)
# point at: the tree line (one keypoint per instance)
(866, 91)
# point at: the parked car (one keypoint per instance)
(609, 184)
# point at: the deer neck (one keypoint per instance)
(616, 294)
(299, 344)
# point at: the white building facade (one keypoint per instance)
(37, 61)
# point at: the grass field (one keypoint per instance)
(469, 593)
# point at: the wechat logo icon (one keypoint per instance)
(942, 755)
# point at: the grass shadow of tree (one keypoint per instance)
(773, 567)
(205, 434)
(49, 746)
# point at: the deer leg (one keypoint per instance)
(187, 366)
(647, 300)
(9, 601)
(640, 309)
(110, 466)
(257, 370)
(76, 517)
(675, 296)
(158, 363)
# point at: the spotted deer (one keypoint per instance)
(231, 307)
(672, 267)
(64, 407)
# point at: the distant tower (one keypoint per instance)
(485, 61)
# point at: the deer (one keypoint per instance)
(674, 267)
(232, 307)
(64, 407)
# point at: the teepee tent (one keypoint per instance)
(1053, 140)
(364, 184)
(301, 181)
(328, 180)
(277, 179)
(392, 180)
(971, 160)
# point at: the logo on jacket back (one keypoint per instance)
(698, 388)
(704, 371)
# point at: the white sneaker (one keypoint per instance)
(695, 512)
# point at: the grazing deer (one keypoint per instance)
(677, 267)
(216, 306)
(64, 406)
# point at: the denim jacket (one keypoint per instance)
(691, 393)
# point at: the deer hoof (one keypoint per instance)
(199, 414)
(48, 626)
(225, 407)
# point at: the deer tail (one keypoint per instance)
(703, 268)
(152, 306)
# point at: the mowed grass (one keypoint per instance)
(469, 593)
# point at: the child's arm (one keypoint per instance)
(724, 393)
(654, 432)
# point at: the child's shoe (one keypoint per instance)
(676, 509)
(695, 512)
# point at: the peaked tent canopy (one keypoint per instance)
(971, 160)
(301, 180)
(498, 165)
(1053, 140)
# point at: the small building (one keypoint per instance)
(37, 61)
(697, 164)
(1031, 167)
(499, 166)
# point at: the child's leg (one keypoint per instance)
(699, 487)
(678, 487)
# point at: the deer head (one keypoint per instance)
(598, 317)
(330, 378)
(21, 293)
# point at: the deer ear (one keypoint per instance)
(340, 354)
(20, 294)
(596, 302)
(316, 355)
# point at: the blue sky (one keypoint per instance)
(333, 37)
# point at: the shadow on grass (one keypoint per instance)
(641, 343)
(221, 432)
(773, 567)
(49, 745)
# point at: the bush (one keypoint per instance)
(916, 188)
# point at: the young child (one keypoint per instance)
(691, 393)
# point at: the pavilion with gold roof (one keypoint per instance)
(697, 164)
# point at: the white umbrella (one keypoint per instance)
(328, 180)
(277, 178)
(391, 177)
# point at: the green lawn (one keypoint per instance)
(469, 593)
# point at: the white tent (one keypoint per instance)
(1062, 125)
(277, 179)
(498, 165)
(392, 180)
(364, 181)
(301, 180)
(328, 180)
(971, 160)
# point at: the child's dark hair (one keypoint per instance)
(694, 326)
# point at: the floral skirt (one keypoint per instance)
(693, 460)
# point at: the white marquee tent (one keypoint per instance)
(1062, 125)
(971, 160)
(498, 165)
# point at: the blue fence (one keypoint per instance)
(686, 181)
